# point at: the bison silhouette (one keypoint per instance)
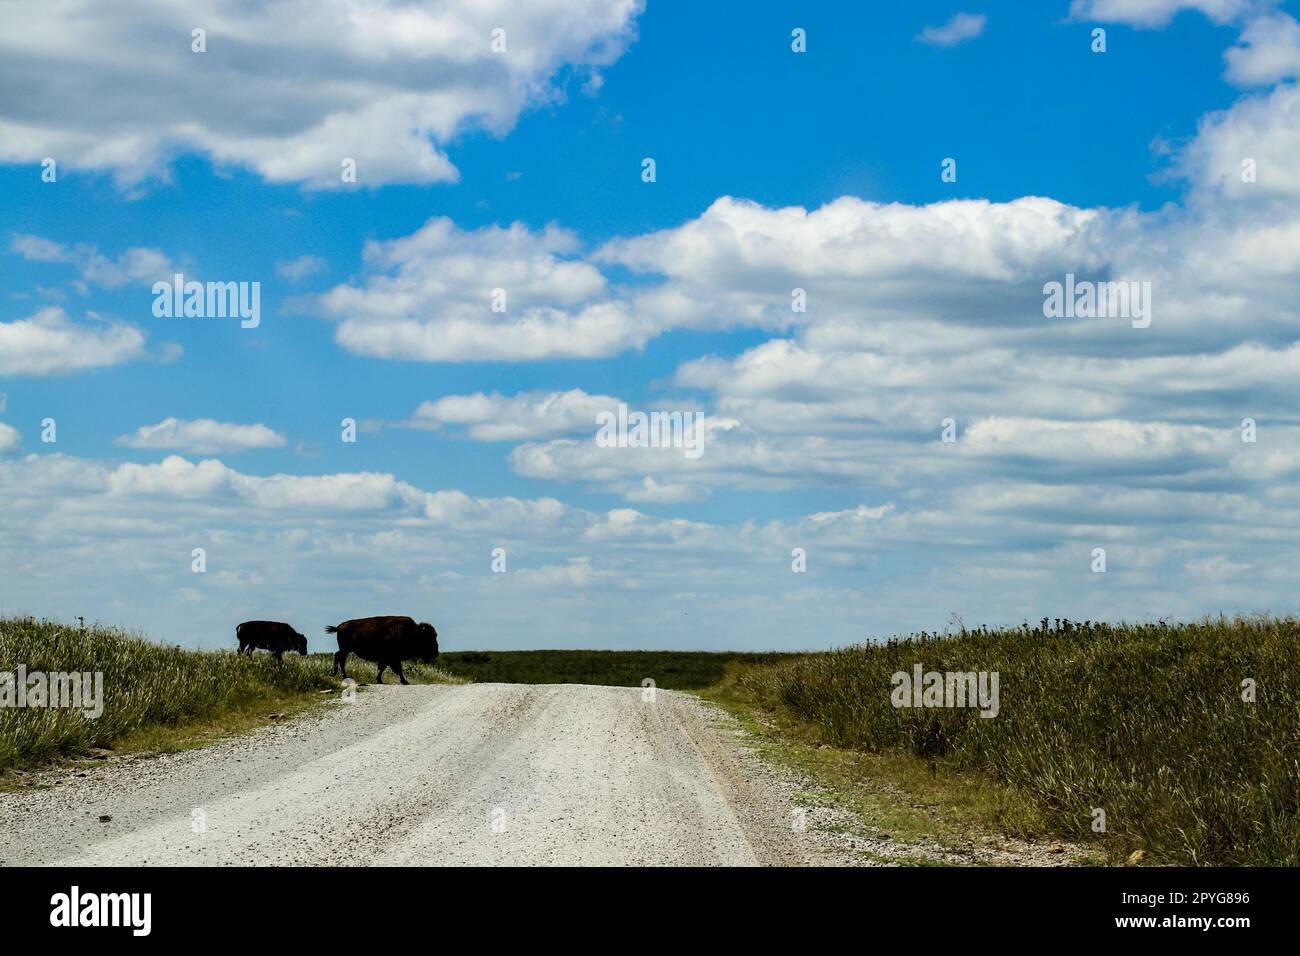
(385, 640)
(274, 636)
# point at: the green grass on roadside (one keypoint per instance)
(894, 797)
(155, 697)
(1144, 722)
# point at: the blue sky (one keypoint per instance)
(774, 170)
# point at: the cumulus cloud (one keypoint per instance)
(202, 436)
(138, 264)
(856, 239)
(492, 294)
(1152, 14)
(9, 437)
(304, 267)
(49, 343)
(527, 415)
(964, 262)
(730, 455)
(1263, 128)
(652, 492)
(384, 82)
(1267, 52)
(959, 29)
(576, 573)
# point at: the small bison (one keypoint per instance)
(275, 636)
(385, 640)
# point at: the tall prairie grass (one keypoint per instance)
(146, 685)
(1146, 722)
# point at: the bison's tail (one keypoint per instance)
(331, 629)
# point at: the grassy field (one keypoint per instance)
(1146, 722)
(670, 670)
(155, 697)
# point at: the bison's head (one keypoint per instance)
(427, 643)
(300, 644)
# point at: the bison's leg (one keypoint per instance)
(340, 663)
(379, 678)
(279, 656)
(397, 669)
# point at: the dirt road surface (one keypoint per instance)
(431, 775)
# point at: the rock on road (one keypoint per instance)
(430, 775)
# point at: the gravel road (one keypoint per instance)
(430, 775)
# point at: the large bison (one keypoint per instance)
(385, 640)
(274, 636)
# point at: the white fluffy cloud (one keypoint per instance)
(138, 264)
(652, 492)
(1264, 128)
(853, 239)
(10, 439)
(527, 415)
(959, 29)
(430, 297)
(202, 436)
(1268, 51)
(295, 270)
(49, 343)
(1157, 13)
(385, 82)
